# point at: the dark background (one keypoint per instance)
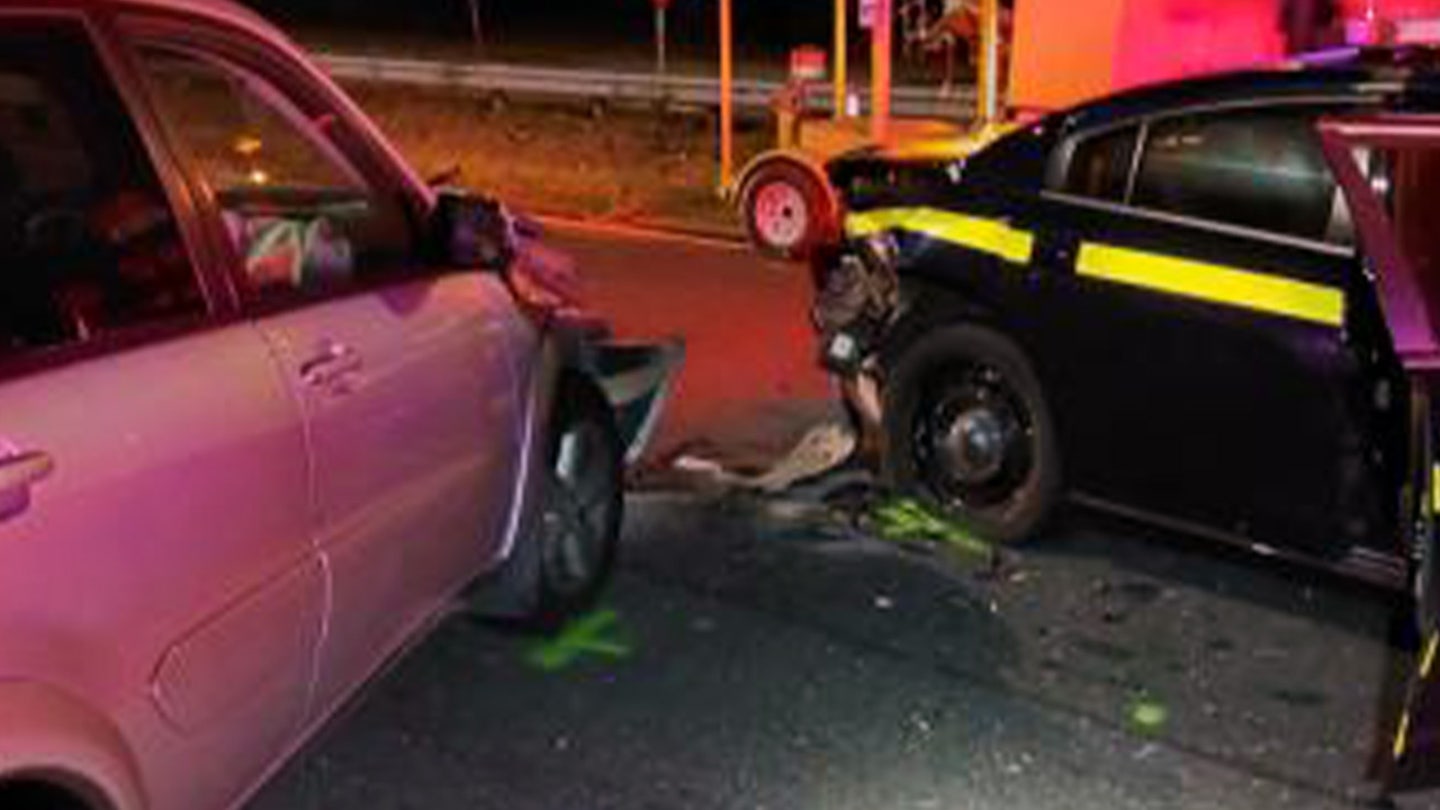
(532, 29)
(762, 26)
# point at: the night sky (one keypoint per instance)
(771, 24)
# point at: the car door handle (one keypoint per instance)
(334, 361)
(19, 472)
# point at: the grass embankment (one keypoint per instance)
(619, 164)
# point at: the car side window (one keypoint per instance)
(1260, 169)
(1406, 181)
(1100, 165)
(300, 214)
(88, 243)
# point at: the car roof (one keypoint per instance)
(1341, 73)
(225, 9)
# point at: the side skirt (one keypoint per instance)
(1367, 565)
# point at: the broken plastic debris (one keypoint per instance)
(883, 602)
(821, 449)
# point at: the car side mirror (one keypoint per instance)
(472, 230)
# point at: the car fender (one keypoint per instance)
(636, 379)
(47, 735)
(927, 306)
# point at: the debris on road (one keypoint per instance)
(822, 449)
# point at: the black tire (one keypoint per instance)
(787, 212)
(967, 429)
(25, 794)
(578, 527)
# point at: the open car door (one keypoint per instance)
(1388, 168)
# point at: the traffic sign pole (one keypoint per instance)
(841, 58)
(660, 9)
(880, 35)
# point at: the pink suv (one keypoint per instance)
(268, 405)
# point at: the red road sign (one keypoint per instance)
(869, 10)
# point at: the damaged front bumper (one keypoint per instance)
(637, 379)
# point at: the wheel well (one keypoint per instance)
(47, 792)
(932, 306)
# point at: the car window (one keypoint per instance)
(1100, 165)
(1407, 181)
(1261, 169)
(88, 243)
(300, 214)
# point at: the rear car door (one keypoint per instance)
(155, 557)
(409, 376)
(1197, 279)
(1394, 215)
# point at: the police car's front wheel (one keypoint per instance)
(967, 427)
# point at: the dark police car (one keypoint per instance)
(1213, 305)
(1157, 304)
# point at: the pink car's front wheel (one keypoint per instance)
(583, 502)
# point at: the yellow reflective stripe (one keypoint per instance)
(978, 233)
(1435, 489)
(1428, 660)
(1402, 736)
(1213, 282)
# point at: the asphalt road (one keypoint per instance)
(763, 654)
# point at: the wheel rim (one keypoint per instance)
(782, 215)
(974, 438)
(580, 511)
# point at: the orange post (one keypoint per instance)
(727, 108)
(989, 90)
(841, 57)
(880, 36)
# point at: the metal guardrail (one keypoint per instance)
(617, 87)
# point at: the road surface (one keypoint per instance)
(763, 654)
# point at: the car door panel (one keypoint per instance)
(166, 563)
(1400, 249)
(415, 447)
(1215, 366)
(404, 372)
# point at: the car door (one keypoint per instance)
(155, 557)
(1203, 316)
(1394, 219)
(407, 374)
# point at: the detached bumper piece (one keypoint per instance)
(637, 379)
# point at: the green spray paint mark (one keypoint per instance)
(1146, 715)
(593, 634)
(906, 519)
